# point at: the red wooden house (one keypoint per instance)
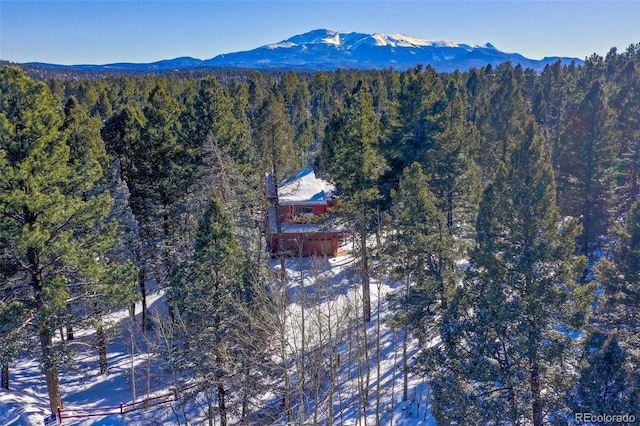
(307, 225)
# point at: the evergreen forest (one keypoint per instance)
(503, 202)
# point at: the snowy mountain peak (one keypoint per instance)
(351, 40)
(401, 40)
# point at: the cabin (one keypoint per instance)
(308, 227)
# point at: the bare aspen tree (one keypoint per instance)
(132, 350)
(378, 376)
(301, 356)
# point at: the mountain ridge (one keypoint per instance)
(325, 49)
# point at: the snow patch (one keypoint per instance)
(281, 45)
(335, 39)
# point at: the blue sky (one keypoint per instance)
(98, 31)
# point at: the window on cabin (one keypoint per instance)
(304, 210)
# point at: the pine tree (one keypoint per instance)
(54, 234)
(297, 100)
(627, 105)
(277, 159)
(420, 247)
(122, 134)
(606, 383)
(421, 104)
(455, 177)
(590, 143)
(551, 104)
(207, 294)
(159, 172)
(501, 120)
(85, 143)
(211, 115)
(83, 135)
(506, 341)
(618, 304)
(219, 131)
(620, 277)
(163, 175)
(274, 136)
(477, 85)
(350, 156)
(12, 333)
(109, 295)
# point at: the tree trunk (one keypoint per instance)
(210, 410)
(536, 398)
(366, 290)
(535, 395)
(51, 371)
(50, 366)
(132, 341)
(142, 282)
(5, 376)
(281, 252)
(405, 367)
(393, 376)
(511, 395)
(222, 405)
(302, 361)
(245, 388)
(450, 195)
(333, 366)
(286, 399)
(45, 334)
(405, 333)
(378, 375)
(102, 347)
(69, 327)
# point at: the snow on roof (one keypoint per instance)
(305, 188)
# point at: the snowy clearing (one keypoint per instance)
(332, 297)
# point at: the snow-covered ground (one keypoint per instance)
(333, 296)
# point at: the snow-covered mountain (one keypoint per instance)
(327, 50)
